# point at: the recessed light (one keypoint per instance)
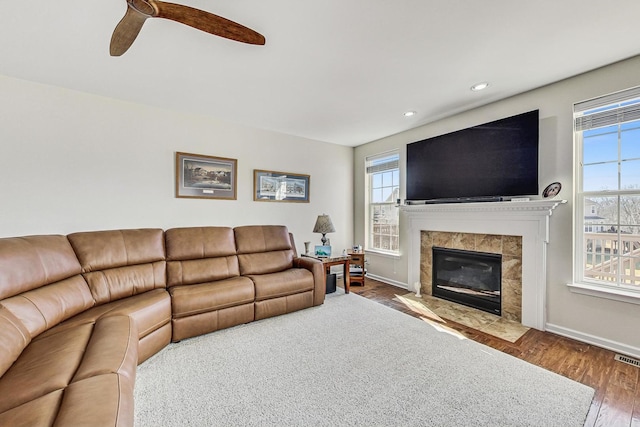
(409, 113)
(479, 86)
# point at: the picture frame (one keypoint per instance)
(206, 177)
(552, 190)
(274, 186)
(322, 251)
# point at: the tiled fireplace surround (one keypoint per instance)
(510, 247)
(458, 224)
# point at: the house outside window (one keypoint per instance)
(383, 181)
(607, 205)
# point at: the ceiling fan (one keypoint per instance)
(139, 10)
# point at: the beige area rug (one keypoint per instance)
(438, 312)
(350, 362)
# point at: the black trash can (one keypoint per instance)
(331, 283)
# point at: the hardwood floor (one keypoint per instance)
(617, 384)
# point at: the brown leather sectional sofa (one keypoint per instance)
(78, 313)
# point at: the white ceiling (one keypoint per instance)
(340, 71)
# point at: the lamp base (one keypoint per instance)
(324, 239)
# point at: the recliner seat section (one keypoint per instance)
(126, 273)
(220, 277)
(207, 292)
(266, 256)
(78, 313)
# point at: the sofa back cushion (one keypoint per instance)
(14, 337)
(120, 263)
(263, 249)
(30, 262)
(40, 281)
(200, 254)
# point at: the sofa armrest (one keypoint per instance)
(316, 267)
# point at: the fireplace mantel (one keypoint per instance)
(529, 219)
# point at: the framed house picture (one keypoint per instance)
(206, 177)
(272, 186)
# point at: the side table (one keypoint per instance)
(357, 269)
(329, 262)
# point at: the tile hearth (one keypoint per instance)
(440, 311)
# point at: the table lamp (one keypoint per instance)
(324, 226)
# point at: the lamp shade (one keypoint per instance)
(324, 225)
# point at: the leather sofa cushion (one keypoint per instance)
(204, 297)
(112, 349)
(30, 262)
(43, 308)
(150, 311)
(38, 412)
(189, 272)
(122, 282)
(103, 400)
(263, 249)
(46, 365)
(264, 263)
(200, 254)
(70, 360)
(281, 284)
(120, 263)
(261, 238)
(14, 337)
(199, 242)
(101, 250)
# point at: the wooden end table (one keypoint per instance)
(329, 262)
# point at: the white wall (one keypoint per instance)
(71, 161)
(601, 321)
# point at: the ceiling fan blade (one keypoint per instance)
(126, 31)
(207, 22)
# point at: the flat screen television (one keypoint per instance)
(492, 161)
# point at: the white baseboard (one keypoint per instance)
(379, 279)
(388, 281)
(592, 339)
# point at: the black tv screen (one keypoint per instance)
(494, 160)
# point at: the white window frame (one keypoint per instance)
(608, 110)
(380, 163)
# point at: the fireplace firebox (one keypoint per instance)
(468, 277)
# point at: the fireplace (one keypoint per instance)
(468, 277)
(527, 220)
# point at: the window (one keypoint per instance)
(383, 177)
(607, 144)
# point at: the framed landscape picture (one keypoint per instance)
(206, 177)
(272, 186)
(322, 251)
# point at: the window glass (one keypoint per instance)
(630, 175)
(630, 142)
(608, 188)
(599, 147)
(376, 180)
(600, 177)
(383, 180)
